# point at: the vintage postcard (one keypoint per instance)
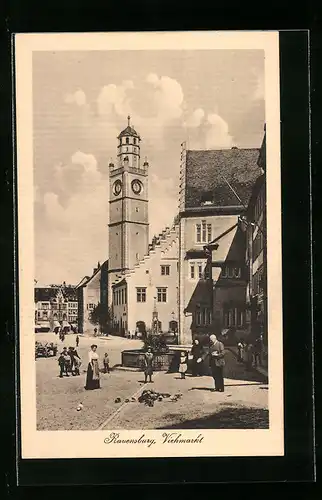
(149, 230)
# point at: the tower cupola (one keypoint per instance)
(128, 149)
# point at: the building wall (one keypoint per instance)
(92, 295)
(72, 311)
(147, 275)
(195, 292)
(128, 227)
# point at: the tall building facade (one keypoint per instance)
(215, 187)
(256, 255)
(129, 218)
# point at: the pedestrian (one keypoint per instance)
(196, 353)
(95, 332)
(249, 356)
(77, 341)
(75, 361)
(148, 365)
(64, 362)
(257, 352)
(93, 374)
(183, 364)
(240, 351)
(217, 362)
(106, 363)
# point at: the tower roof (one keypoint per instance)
(129, 130)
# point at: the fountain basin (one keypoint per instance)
(134, 358)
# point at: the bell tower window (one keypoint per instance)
(134, 141)
(127, 140)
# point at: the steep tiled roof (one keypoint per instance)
(49, 293)
(206, 170)
(128, 131)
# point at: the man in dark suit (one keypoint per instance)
(217, 362)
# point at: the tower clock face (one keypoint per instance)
(136, 186)
(117, 188)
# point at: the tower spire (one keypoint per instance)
(128, 120)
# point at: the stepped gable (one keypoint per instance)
(206, 171)
(157, 241)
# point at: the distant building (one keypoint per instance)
(55, 303)
(91, 291)
(215, 187)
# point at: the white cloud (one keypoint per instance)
(75, 236)
(163, 204)
(77, 97)
(195, 119)
(217, 135)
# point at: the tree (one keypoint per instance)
(100, 315)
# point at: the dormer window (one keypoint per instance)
(207, 198)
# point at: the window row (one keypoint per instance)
(258, 243)
(120, 297)
(203, 232)
(161, 296)
(234, 317)
(199, 271)
(59, 306)
(127, 140)
(258, 281)
(203, 317)
(231, 272)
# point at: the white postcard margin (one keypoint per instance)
(91, 444)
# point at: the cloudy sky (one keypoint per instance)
(211, 99)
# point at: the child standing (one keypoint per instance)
(148, 365)
(183, 364)
(106, 363)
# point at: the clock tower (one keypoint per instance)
(129, 220)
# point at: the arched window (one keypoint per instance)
(127, 140)
(134, 141)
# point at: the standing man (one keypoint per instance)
(217, 362)
(77, 341)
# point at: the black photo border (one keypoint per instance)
(298, 464)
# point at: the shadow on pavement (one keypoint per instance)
(227, 418)
(247, 384)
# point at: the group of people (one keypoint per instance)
(197, 355)
(250, 353)
(69, 363)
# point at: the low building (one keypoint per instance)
(215, 188)
(91, 291)
(146, 297)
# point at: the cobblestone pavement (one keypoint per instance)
(244, 404)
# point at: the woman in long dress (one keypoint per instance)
(197, 358)
(93, 374)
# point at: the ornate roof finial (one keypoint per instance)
(128, 120)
